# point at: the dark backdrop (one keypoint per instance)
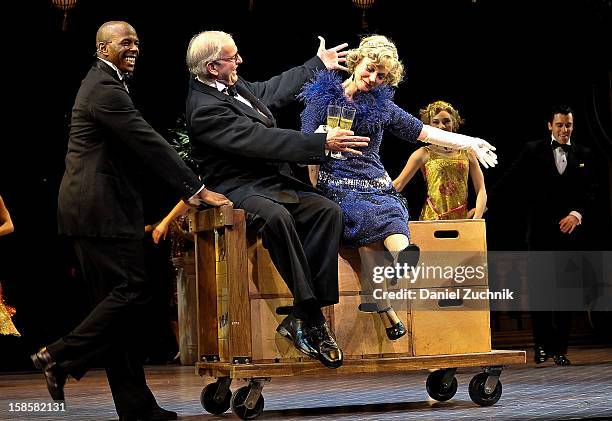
(501, 63)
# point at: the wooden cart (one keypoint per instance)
(241, 298)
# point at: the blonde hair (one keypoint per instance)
(428, 113)
(382, 52)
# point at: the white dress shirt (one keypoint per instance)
(561, 163)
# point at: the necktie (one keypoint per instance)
(566, 148)
(231, 91)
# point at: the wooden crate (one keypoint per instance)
(267, 344)
(362, 335)
(450, 244)
(456, 328)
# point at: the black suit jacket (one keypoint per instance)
(549, 196)
(101, 190)
(241, 152)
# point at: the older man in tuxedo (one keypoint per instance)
(243, 154)
(100, 211)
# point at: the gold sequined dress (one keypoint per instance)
(6, 324)
(447, 186)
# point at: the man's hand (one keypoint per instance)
(340, 140)
(213, 198)
(568, 224)
(332, 57)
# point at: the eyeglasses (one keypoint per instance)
(233, 58)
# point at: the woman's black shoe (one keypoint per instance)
(396, 331)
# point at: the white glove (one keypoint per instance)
(482, 148)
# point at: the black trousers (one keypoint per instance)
(114, 332)
(551, 330)
(303, 240)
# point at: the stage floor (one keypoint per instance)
(545, 392)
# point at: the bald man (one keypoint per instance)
(100, 211)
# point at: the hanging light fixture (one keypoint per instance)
(363, 5)
(65, 6)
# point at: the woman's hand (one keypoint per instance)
(160, 231)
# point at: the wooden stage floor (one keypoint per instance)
(546, 392)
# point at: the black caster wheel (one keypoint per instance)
(207, 399)
(239, 408)
(479, 395)
(437, 390)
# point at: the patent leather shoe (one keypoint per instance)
(55, 377)
(561, 359)
(396, 331)
(156, 413)
(539, 355)
(296, 330)
(329, 353)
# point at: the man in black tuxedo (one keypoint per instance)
(100, 210)
(554, 175)
(241, 153)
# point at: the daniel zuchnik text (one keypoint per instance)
(463, 293)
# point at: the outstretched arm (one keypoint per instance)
(416, 161)
(6, 224)
(479, 186)
(161, 230)
(482, 148)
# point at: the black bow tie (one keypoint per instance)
(566, 148)
(231, 90)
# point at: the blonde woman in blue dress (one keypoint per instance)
(375, 214)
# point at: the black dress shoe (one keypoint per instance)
(41, 359)
(561, 359)
(329, 352)
(396, 331)
(539, 355)
(154, 414)
(55, 377)
(296, 330)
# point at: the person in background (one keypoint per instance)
(553, 178)
(6, 312)
(445, 171)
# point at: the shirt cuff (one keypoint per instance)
(195, 199)
(577, 215)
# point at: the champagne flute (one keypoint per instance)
(347, 115)
(333, 120)
(333, 116)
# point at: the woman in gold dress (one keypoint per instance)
(445, 171)
(6, 312)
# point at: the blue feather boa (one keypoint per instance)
(326, 88)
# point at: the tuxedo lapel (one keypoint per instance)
(548, 157)
(258, 104)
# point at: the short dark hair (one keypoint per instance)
(559, 109)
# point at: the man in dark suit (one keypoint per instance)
(242, 153)
(100, 210)
(554, 175)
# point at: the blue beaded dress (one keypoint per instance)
(373, 210)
